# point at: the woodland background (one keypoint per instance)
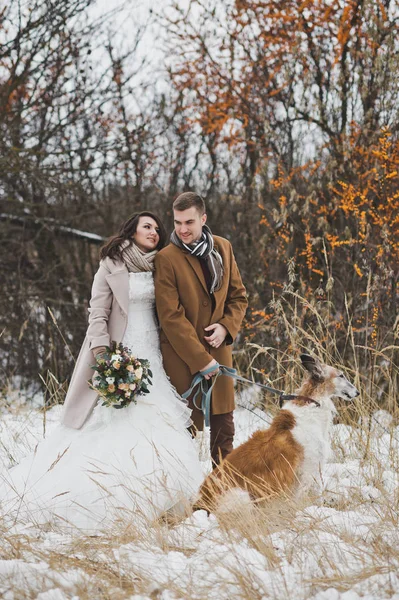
(283, 114)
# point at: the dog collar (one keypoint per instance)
(306, 399)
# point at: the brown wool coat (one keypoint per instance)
(107, 322)
(184, 309)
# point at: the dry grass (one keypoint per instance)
(344, 538)
(249, 550)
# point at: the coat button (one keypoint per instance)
(204, 303)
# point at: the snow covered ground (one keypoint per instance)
(342, 545)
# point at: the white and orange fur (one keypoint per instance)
(287, 458)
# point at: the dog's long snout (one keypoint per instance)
(352, 393)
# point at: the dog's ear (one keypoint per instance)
(312, 365)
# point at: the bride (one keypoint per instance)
(102, 464)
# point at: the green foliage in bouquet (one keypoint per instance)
(120, 376)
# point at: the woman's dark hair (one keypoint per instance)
(126, 232)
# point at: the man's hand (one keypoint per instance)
(208, 366)
(218, 336)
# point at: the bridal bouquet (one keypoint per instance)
(120, 376)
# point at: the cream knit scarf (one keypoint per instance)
(137, 260)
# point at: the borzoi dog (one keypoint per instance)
(287, 457)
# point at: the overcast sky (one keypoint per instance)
(134, 14)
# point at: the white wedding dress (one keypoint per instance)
(124, 465)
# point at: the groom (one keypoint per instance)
(201, 303)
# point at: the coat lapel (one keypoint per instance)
(195, 264)
(119, 283)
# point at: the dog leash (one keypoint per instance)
(268, 421)
(205, 391)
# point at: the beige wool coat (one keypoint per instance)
(184, 308)
(107, 322)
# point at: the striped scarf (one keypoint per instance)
(204, 249)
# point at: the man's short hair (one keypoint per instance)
(189, 199)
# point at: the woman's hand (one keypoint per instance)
(98, 351)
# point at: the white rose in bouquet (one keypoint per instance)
(139, 372)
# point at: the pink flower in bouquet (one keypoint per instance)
(130, 368)
(111, 387)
